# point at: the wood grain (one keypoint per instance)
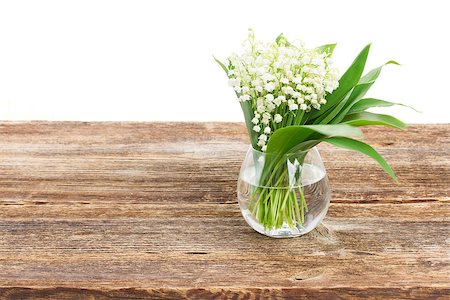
(149, 211)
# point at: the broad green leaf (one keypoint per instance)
(366, 103)
(284, 139)
(248, 115)
(359, 91)
(327, 117)
(221, 64)
(351, 144)
(298, 138)
(328, 48)
(350, 78)
(366, 82)
(367, 118)
(372, 75)
(305, 145)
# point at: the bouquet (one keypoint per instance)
(293, 99)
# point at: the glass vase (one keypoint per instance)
(283, 195)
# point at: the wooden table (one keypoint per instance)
(148, 210)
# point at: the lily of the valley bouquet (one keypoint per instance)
(293, 99)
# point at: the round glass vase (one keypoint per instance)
(283, 195)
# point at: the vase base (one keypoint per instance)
(285, 231)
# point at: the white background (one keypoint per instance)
(152, 60)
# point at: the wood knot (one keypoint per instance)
(324, 234)
(309, 274)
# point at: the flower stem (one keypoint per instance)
(275, 205)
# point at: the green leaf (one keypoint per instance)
(367, 118)
(351, 144)
(366, 103)
(350, 78)
(360, 90)
(366, 82)
(372, 75)
(248, 116)
(327, 48)
(327, 117)
(221, 64)
(284, 139)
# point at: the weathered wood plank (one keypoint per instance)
(77, 162)
(212, 244)
(226, 293)
(148, 210)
